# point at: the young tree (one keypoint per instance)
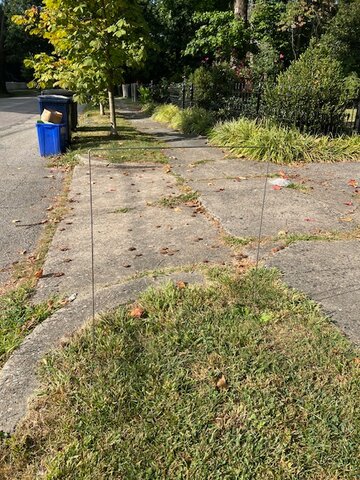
(93, 41)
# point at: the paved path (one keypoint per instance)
(139, 242)
(27, 186)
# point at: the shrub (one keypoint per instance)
(165, 113)
(145, 95)
(191, 121)
(212, 85)
(148, 107)
(194, 121)
(269, 142)
(309, 95)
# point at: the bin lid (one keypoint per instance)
(55, 98)
(58, 91)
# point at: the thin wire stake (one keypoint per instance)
(92, 250)
(256, 284)
(262, 215)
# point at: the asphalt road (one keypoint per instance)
(27, 186)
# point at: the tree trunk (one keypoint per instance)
(102, 109)
(2, 49)
(113, 130)
(241, 9)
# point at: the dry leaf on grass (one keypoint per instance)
(137, 312)
(221, 383)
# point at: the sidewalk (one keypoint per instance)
(139, 242)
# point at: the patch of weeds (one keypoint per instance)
(18, 317)
(123, 210)
(173, 201)
(68, 159)
(299, 186)
(290, 238)
(202, 162)
(238, 241)
(232, 380)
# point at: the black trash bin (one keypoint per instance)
(73, 105)
(60, 103)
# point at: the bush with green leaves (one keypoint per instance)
(191, 121)
(212, 85)
(309, 95)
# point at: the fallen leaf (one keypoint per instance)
(346, 219)
(352, 183)
(137, 312)
(277, 249)
(180, 284)
(177, 209)
(167, 168)
(221, 383)
(276, 187)
(39, 273)
(191, 204)
(282, 174)
(282, 233)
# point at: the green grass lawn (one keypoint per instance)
(94, 133)
(18, 316)
(240, 379)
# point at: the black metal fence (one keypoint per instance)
(241, 102)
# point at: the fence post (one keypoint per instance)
(191, 94)
(183, 89)
(357, 118)
(258, 100)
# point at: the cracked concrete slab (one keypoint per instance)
(133, 233)
(329, 272)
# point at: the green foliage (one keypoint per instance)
(309, 95)
(268, 142)
(219, 36)
(140, 398)
(342, 38)
(212, 84)
(18, 317)
(265, 18)
(93, 41)
(305, 20)
(165, 113)
(145, 95)
(191, 121)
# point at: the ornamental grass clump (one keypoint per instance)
(266, 141)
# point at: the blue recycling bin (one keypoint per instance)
(60, 103)
(52, 138)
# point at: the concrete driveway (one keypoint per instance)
(27, 186)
